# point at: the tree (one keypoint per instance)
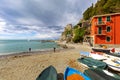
(110, 6)
(102, 7)
(79, 33)
(87, 14)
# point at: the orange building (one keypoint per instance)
(105, 29)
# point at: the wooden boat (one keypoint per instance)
(113, 64)
(101, 50)
(93, 63)
(100, 74)
(49, 73)
(73, 74)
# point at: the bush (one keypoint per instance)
(79, 34)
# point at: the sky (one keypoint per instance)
(39, 19)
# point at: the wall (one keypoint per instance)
(117, 29)
(101, 39)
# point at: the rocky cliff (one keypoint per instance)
(67, 33)
(75, 33)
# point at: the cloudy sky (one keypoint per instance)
(39, 19)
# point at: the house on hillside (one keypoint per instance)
(105, 30)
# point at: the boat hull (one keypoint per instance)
(99, 74)
(113, 65)
(70, 72)
(114, 54)
(101, 50)
(93, 63)
(49, 73)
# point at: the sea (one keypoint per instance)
(19, 46)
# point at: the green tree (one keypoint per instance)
(68, 32)
(79, 34)
(87, 14)
(102, 7)
(110, 6)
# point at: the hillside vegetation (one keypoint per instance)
(76, 33)
(102, 7)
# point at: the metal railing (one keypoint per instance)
(101, 23)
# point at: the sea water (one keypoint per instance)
(17, 46)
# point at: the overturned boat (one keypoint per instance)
(93, 63)
(49, 73)
(73, 74)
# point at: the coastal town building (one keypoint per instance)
(105, 30)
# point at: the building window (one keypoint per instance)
(100, 30)
(108, 39)
(108, 18)
(99, 20)
(108, 29)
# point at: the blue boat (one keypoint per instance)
(49, 73)
(70, 71)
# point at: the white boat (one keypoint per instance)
(98, 56)
(113, 64)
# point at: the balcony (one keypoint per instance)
(101, 23)
(101, 33)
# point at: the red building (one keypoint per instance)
(105, 29)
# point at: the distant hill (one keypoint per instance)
(102, 7)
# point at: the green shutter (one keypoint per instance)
(99, 20)
(108, 29)
(108, 18)
(99, 30)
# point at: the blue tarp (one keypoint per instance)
(83, 53)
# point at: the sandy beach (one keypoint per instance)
(29, 66)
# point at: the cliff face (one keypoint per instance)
(75, 33)
(67, 34)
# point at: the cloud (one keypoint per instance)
(39, 16)
(46, 36)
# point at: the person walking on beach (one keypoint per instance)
(29, 49)
(54, 49)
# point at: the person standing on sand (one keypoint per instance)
(54, 49)
(29, 49)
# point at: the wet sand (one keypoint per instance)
(27, 66)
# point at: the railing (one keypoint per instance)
(100, 23)
(103, 32)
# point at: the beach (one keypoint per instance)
(28, 66)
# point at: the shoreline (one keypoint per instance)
(30, 53)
